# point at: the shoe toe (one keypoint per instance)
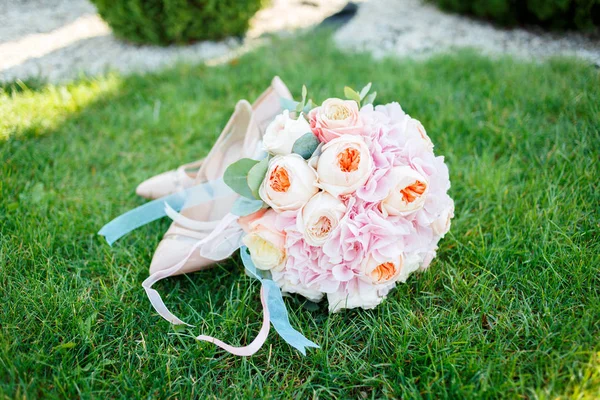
(157, 186)
(171, 251)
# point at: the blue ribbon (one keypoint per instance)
(278, 313)
(155, 209)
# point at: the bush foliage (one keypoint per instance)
(165, 22)
(555, 14)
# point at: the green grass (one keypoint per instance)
(510, 308)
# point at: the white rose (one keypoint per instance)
(319, 217)
(408, 194)
(344, 165)
(282, 133)
(380, 272)
(442, 225)
(265, 243)
(288, 184)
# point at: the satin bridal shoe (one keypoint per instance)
(200, 230)
(265, 108)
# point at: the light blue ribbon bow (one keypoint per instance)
(278, 313)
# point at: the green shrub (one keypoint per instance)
(554, 14)
(176, 21)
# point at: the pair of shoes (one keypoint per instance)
(264, 109)
(240, 138)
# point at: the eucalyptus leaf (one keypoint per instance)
(256, 175)
(288, 104)
(365, 90)
(370, 98)
(236, 174)
(306, 145)
(309, 106)
(351, 94)
(244, 206)
(304, 93)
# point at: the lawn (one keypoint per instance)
(510, 308)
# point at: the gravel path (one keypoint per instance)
(411, 28)
(60, 39)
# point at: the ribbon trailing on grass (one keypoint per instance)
(224, 238)
(276, 307)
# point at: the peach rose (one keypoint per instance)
(289, 183)
(319, 217)
(344, 165)
(335, 117)
(378, 271)
(407, 195)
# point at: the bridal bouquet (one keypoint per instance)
(349, 200)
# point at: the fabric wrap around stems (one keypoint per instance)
(227, 231)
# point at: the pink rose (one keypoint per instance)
(335, 117)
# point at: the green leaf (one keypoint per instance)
(351, 94)
(370, 98)
(288, 104)
(256, 175)
(365, 90)
(306, 145)
(236, 174)
(304, 93)
(309, 106)
(244, 206)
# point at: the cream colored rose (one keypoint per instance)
(288, 184)
(344, 165)
(265, 243)
(411, 264)
(282, 133)
(442, 224)
(415, 124)
(408, 194)
(319, 217)
(335, 117)
(379, 272)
